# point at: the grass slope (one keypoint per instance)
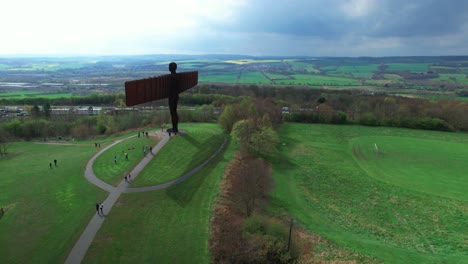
(166, 226)
(364, 204)
(47, 209)
(181, 154)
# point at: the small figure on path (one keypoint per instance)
(151, 150)
(129, 177)
(50, 165)
(115, 159)
(144, 152)
(146, 133)
(97, 208)
(126, 178)
(99, 145)
(126, 156)
(95, 145)
(55, 162)
(101, 208)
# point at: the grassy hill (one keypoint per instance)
(170, 225)
(406, 204)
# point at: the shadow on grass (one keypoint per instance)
(183, 192)
(192, 140)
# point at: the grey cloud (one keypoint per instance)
(390, 18)
(404, 18)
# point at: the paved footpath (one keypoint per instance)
(81, 247)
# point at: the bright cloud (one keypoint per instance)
(256, 27)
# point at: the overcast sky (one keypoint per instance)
(250, 27)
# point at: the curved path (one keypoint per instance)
(81, 246)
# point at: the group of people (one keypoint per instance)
(97, 145)
(146, 148)
(143, 133)
(128, 178)
(55, 162)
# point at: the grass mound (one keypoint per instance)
(113, 173)
(395, 207)
(181, 154)
(435, 167)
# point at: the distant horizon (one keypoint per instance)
(207, 54)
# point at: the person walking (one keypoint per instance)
(50, 165)
(55, 162)
(101, 208)
(129, 177)
(97, 208)
(115, 159)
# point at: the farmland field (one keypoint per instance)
(221, 77)
(35, 94)
(410, 67)
(253, 77)
(405, 204)
(453, 78)
(318, 80)
(108, 74)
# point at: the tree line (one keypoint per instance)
(242, 231)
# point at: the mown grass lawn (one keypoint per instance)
(113, 173)
(181, 154)
(47, 209)
(166, 226)
(405, 206)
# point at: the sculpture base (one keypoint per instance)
(171, 131)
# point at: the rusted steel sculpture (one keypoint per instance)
(160, 87)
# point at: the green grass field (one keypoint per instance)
(253, 77)
(113, 173)
(304, 66)
(192, 149)
(356, 71)
(435, 167)
(35, 94)
(453, 78)
(166, 226)
(407, 205)
(47, 209)
(221, 77)
(410, 67)
(278, 76)
(304, 79)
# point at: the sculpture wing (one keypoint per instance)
(155, 88)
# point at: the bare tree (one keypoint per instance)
(250, 181)
(5, 141)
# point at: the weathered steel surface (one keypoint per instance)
(151, 89)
